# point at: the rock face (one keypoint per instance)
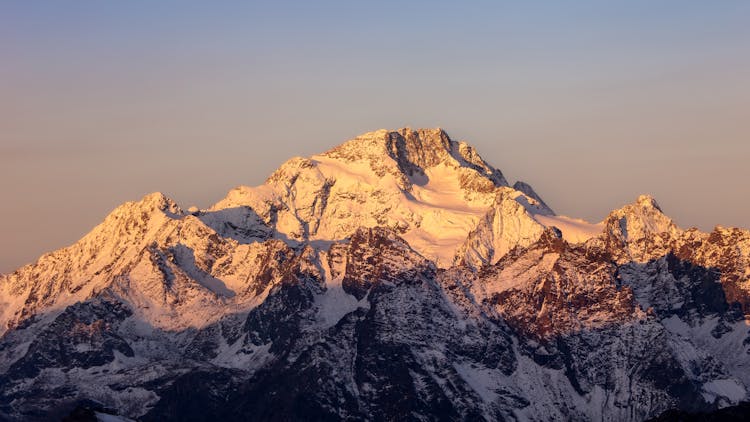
(395, 277)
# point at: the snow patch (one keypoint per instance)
(106, 417)
(574, 230)
(728, 388)
(335, 303)
(481, 380)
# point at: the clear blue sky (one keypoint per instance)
(591, 102)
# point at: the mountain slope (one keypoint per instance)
(396, 276)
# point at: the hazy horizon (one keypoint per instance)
(590, 103)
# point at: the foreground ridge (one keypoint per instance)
(398, 273)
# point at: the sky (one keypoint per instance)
(591, 102)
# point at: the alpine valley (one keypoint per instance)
(398, 276)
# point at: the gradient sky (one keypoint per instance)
(591, 102)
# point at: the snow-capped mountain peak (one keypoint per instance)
(413, 152)
(430, 189)
(642, 217)
(648, 201)
(641, 230)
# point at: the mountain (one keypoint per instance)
(398, 276)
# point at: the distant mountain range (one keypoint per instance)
(398, 276)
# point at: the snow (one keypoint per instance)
(105, 417)
(574, 230)
(729, 388)
(675, 325)
(517, 275)
(335, 303)
(239, 355)
(482, 380)
(447, 217)
(440, 188)
(356, 171)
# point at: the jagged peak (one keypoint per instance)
(290, 168)
(395, 143)
(644, 203)
(139, 212)
(506, 225)
(639, 219)
(522, 201)
(417, 150)
(527, 190)
(155, 201)
(414, 151)
(648, 201)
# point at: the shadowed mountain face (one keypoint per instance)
(397, 276)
